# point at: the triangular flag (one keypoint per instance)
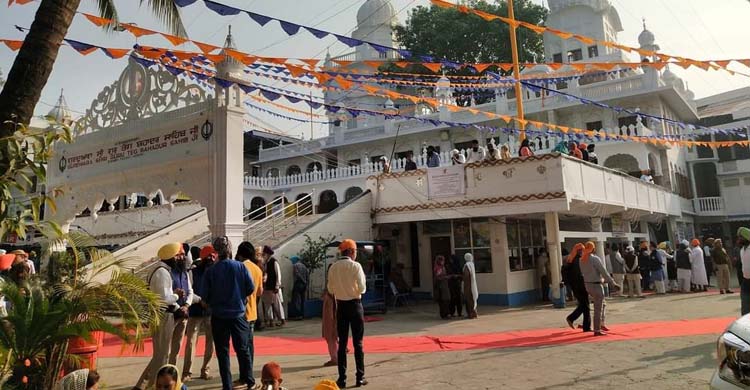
(97, 20)
(13, 45)
(404, 64)
(175, 40)
(312, 62)
(486, 15)
(215, 58)
(296, 71)
(373, 64)
(205, 47)
(434, 66)
(480, 67)
(115, 53)
(723, 63)
(656, 65)
(343, 83)
(137, 31)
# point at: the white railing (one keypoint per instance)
(709, 205)
(285, 216)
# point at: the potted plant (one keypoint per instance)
(313, 255)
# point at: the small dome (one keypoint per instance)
(375, 13)
(60, 113)
(671, 79)
(646, 37)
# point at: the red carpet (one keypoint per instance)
(286, 346)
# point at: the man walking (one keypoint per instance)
(346, 281)
(743, 242)
(594, 274)
(160, 283)
(571, 276)
(299, 289)
(227, 284)
(272, 289)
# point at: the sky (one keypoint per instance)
(696, 29)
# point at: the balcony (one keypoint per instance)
(521, 186)
(709, 207)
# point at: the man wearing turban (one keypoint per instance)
(595, 275)
(160, 283)
(700, 278)
(743, 242)
(571, 276)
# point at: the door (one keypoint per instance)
(439, 246)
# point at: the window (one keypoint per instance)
(575, 55)
(593, 51)
(293, 170)
(627, 121)
(473, 236)
(525, 242)
(597, 125)
(557, 57)
(314, 166)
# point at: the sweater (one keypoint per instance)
(593, 270)
(719, 256)
(683, 258)
(226, 286)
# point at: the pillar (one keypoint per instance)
(552, 226)
(225, 198)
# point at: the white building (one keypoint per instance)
(504, 212)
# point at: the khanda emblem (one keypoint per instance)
(63, 164)
(207, 130)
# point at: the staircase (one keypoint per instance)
(270, 225)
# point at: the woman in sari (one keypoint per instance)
(441, 291)
(471, 292)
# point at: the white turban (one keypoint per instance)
(468, 257)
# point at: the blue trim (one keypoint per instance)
(515, 299)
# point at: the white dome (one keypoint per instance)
(60, 113)
(375, 13)
(671, 79)
(646, 37)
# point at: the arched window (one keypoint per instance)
(328, 202)
(293, 170)
(351, 193)
(314, 166)
(624, 163)
(257, 203)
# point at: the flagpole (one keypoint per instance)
(516, 69)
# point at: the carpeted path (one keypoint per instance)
(289, 346)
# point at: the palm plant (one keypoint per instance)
(35, 59)
(44, 315)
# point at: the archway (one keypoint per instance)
(328, 202)
(293, 170)
(623, 163)
(257, 203)
(314, 166)
(351, 193)
(305, 206)
(273, 172)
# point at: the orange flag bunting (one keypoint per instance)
(12, 45)
(97, 20)
(433, 66)
(205, 47)
(117, 53)
(137, 31)
(343, 83)
(173, 39)
(486, 15)
(311, 62)
(481, 67)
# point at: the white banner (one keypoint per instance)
(446, 182)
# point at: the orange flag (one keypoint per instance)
(137, 31)
(401, 64)
(481, 67)
(311, 62)
(97, 20)
(343, 83)
(12, 45)
(173, 39)
(117, 53)
(205, 47)
(433, 66)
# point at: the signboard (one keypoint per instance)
(446, 182)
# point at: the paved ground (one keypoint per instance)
(664, 363)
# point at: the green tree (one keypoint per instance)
(467, 38)
(33, 64)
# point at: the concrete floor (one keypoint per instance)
(665, 363)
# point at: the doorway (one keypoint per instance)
(440, 246)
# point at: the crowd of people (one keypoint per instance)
(657, 268)
(226, 294)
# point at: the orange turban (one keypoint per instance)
(577, 248)
(695, 242)
(587, 250)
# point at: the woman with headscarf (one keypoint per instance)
(328, 325)
(683, 262)
(168, 379)
(84, 379)
(595, 275)
(632, 273)
(571, 276)
(698, 267)
(299, 288)
(525, 149)
(441, 291)
(721, 262)
(471, 291)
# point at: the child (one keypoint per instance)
(270, 377)
(167, 378)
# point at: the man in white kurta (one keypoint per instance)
(160, 283)
(698, 271)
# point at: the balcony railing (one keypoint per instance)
(713, 205)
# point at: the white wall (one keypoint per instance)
(352, 222)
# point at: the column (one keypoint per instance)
(225, 198)
(552, 225)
